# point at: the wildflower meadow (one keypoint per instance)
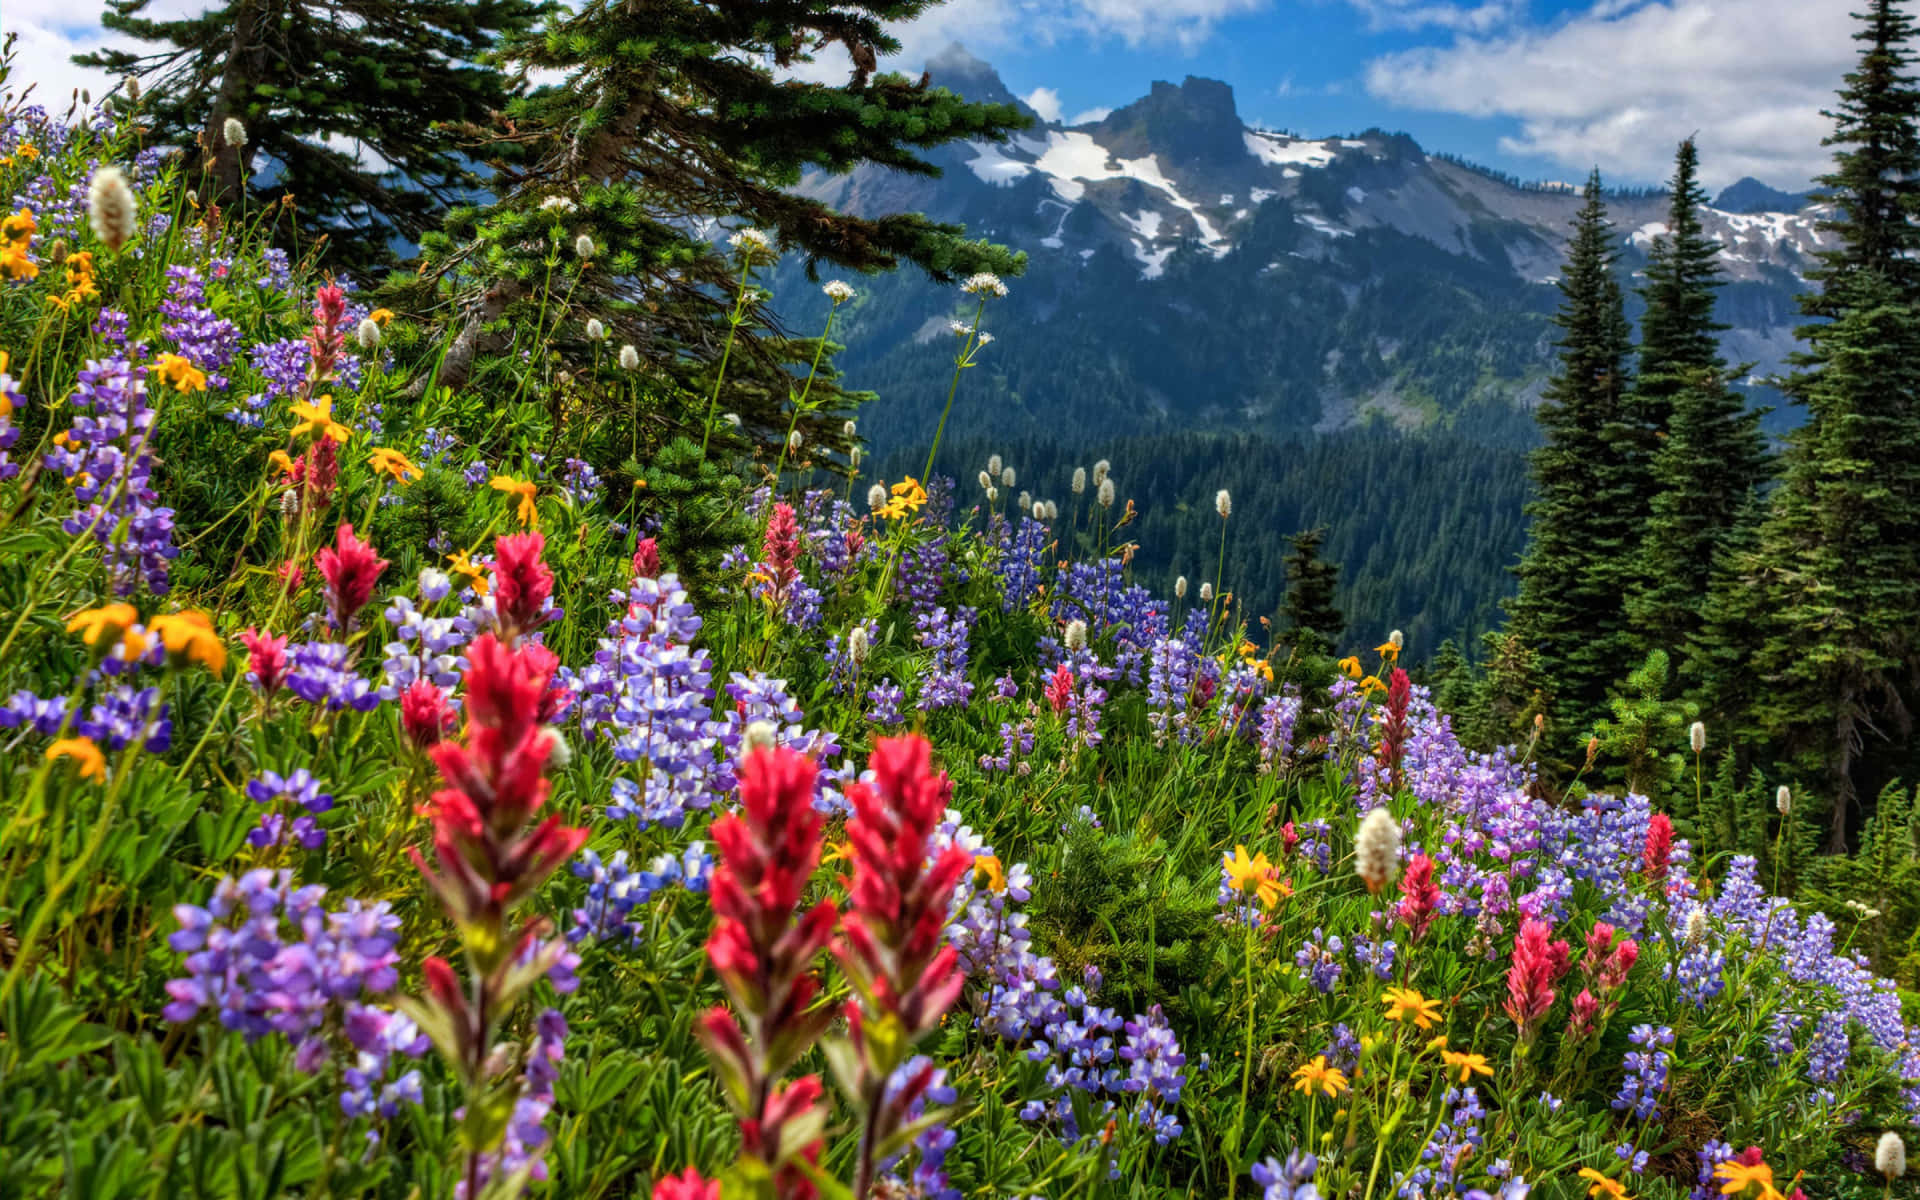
(416, 790)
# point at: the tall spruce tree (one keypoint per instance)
(677, 120)
(1591, 491)
(1313, 624)
(347, 105)
(1833, 580)
(1707, 453)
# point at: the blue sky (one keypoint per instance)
(1541, 88)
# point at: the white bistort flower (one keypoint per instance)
(1890, 1156)
(877, 496)
(367, 334)
(596, 332)
(1106, 494)
(110, 207)
(986, 283)
(750, 242)
(1697, 736)
(838, 290)
(1180, 588)
(234, 132)
(1376, 850)
(1076, 635)
(1079, 481)
(1223, 503)
(560, 204)
(583, 246)
(1783, 800)
(993, 464)
(629, 358)
(1007, 477)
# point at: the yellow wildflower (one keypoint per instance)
(908, 497)
(189, 636)
(1254, 875)
(1737, 1177)
(988, 869)
(15, 264)
(1387, 650)
(1371, 685)
(527, 511)
(180, 374)
(24, 152)
(475, 575)
(1405, 1004)
(280, 458)
(394, 463)
(1602, 1186)
(105, 625)
(380, 316)
(1351, 666)
(318, 418)
(1318, 1075)
(86, 756)
(1469, 1064)
(20, 227)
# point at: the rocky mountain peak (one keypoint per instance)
(960, 71)
(1191, 124)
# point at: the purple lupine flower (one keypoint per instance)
(1646, 1072)
(276, 794)
(109, 465)
(265, 958)
(945, 683)
(321, 673)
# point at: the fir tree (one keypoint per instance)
(1591, 485)
(1312, 624)
(346, 106)
(1834, 600)
(675, 120)
(1707, 453)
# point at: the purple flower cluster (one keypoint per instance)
(928, 1178)
(106, 460)
(381, 1038)
(208, 341)
(424, 647)
(279, 795)
(1319, 957)
(1022, 559)
(1455, 1139)
(1646, 1072)
(124, 715)
(615, 890)
(1290, 1180)
(322, 674)
(944, 683)
(265, 957)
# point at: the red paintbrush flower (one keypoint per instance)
(905, 976)
(1060, 688)
(688, 1185)
(646, 559)
(266, 658)
(1395, 728)
(1419, 895)
(780, 548)
(426, 715)
(350, 568)
(321, 467)
(1537, 965)
(764, 954)
(521, 582)
(1659, 850)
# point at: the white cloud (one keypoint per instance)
(1045, 101)
(1089, 116)
(1479, 18)
(1622, 83)
(51, 34)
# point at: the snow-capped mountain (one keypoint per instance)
(1407, 284)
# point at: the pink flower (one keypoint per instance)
(521, 582)
(1659, 846)
(426, 716)
(266, 658)
(646, 559)
(350, 568)
(688, 1185)
(1419, 895)
(1537, 965)
(1060, 688)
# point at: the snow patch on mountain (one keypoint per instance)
(1278, 150)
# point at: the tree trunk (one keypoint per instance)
(243, 67)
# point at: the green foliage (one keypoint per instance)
(1591, 491)
(392, 78)
(1641, 743)
(1113, 904)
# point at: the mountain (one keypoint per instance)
(1189, 271)
(1213, 304)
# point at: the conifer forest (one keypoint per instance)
(582, 615)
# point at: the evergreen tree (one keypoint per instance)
(1312, 624)
(1591, 491)
(1707, 453)
(347, 105)
(1833, 579)
(675, 120)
